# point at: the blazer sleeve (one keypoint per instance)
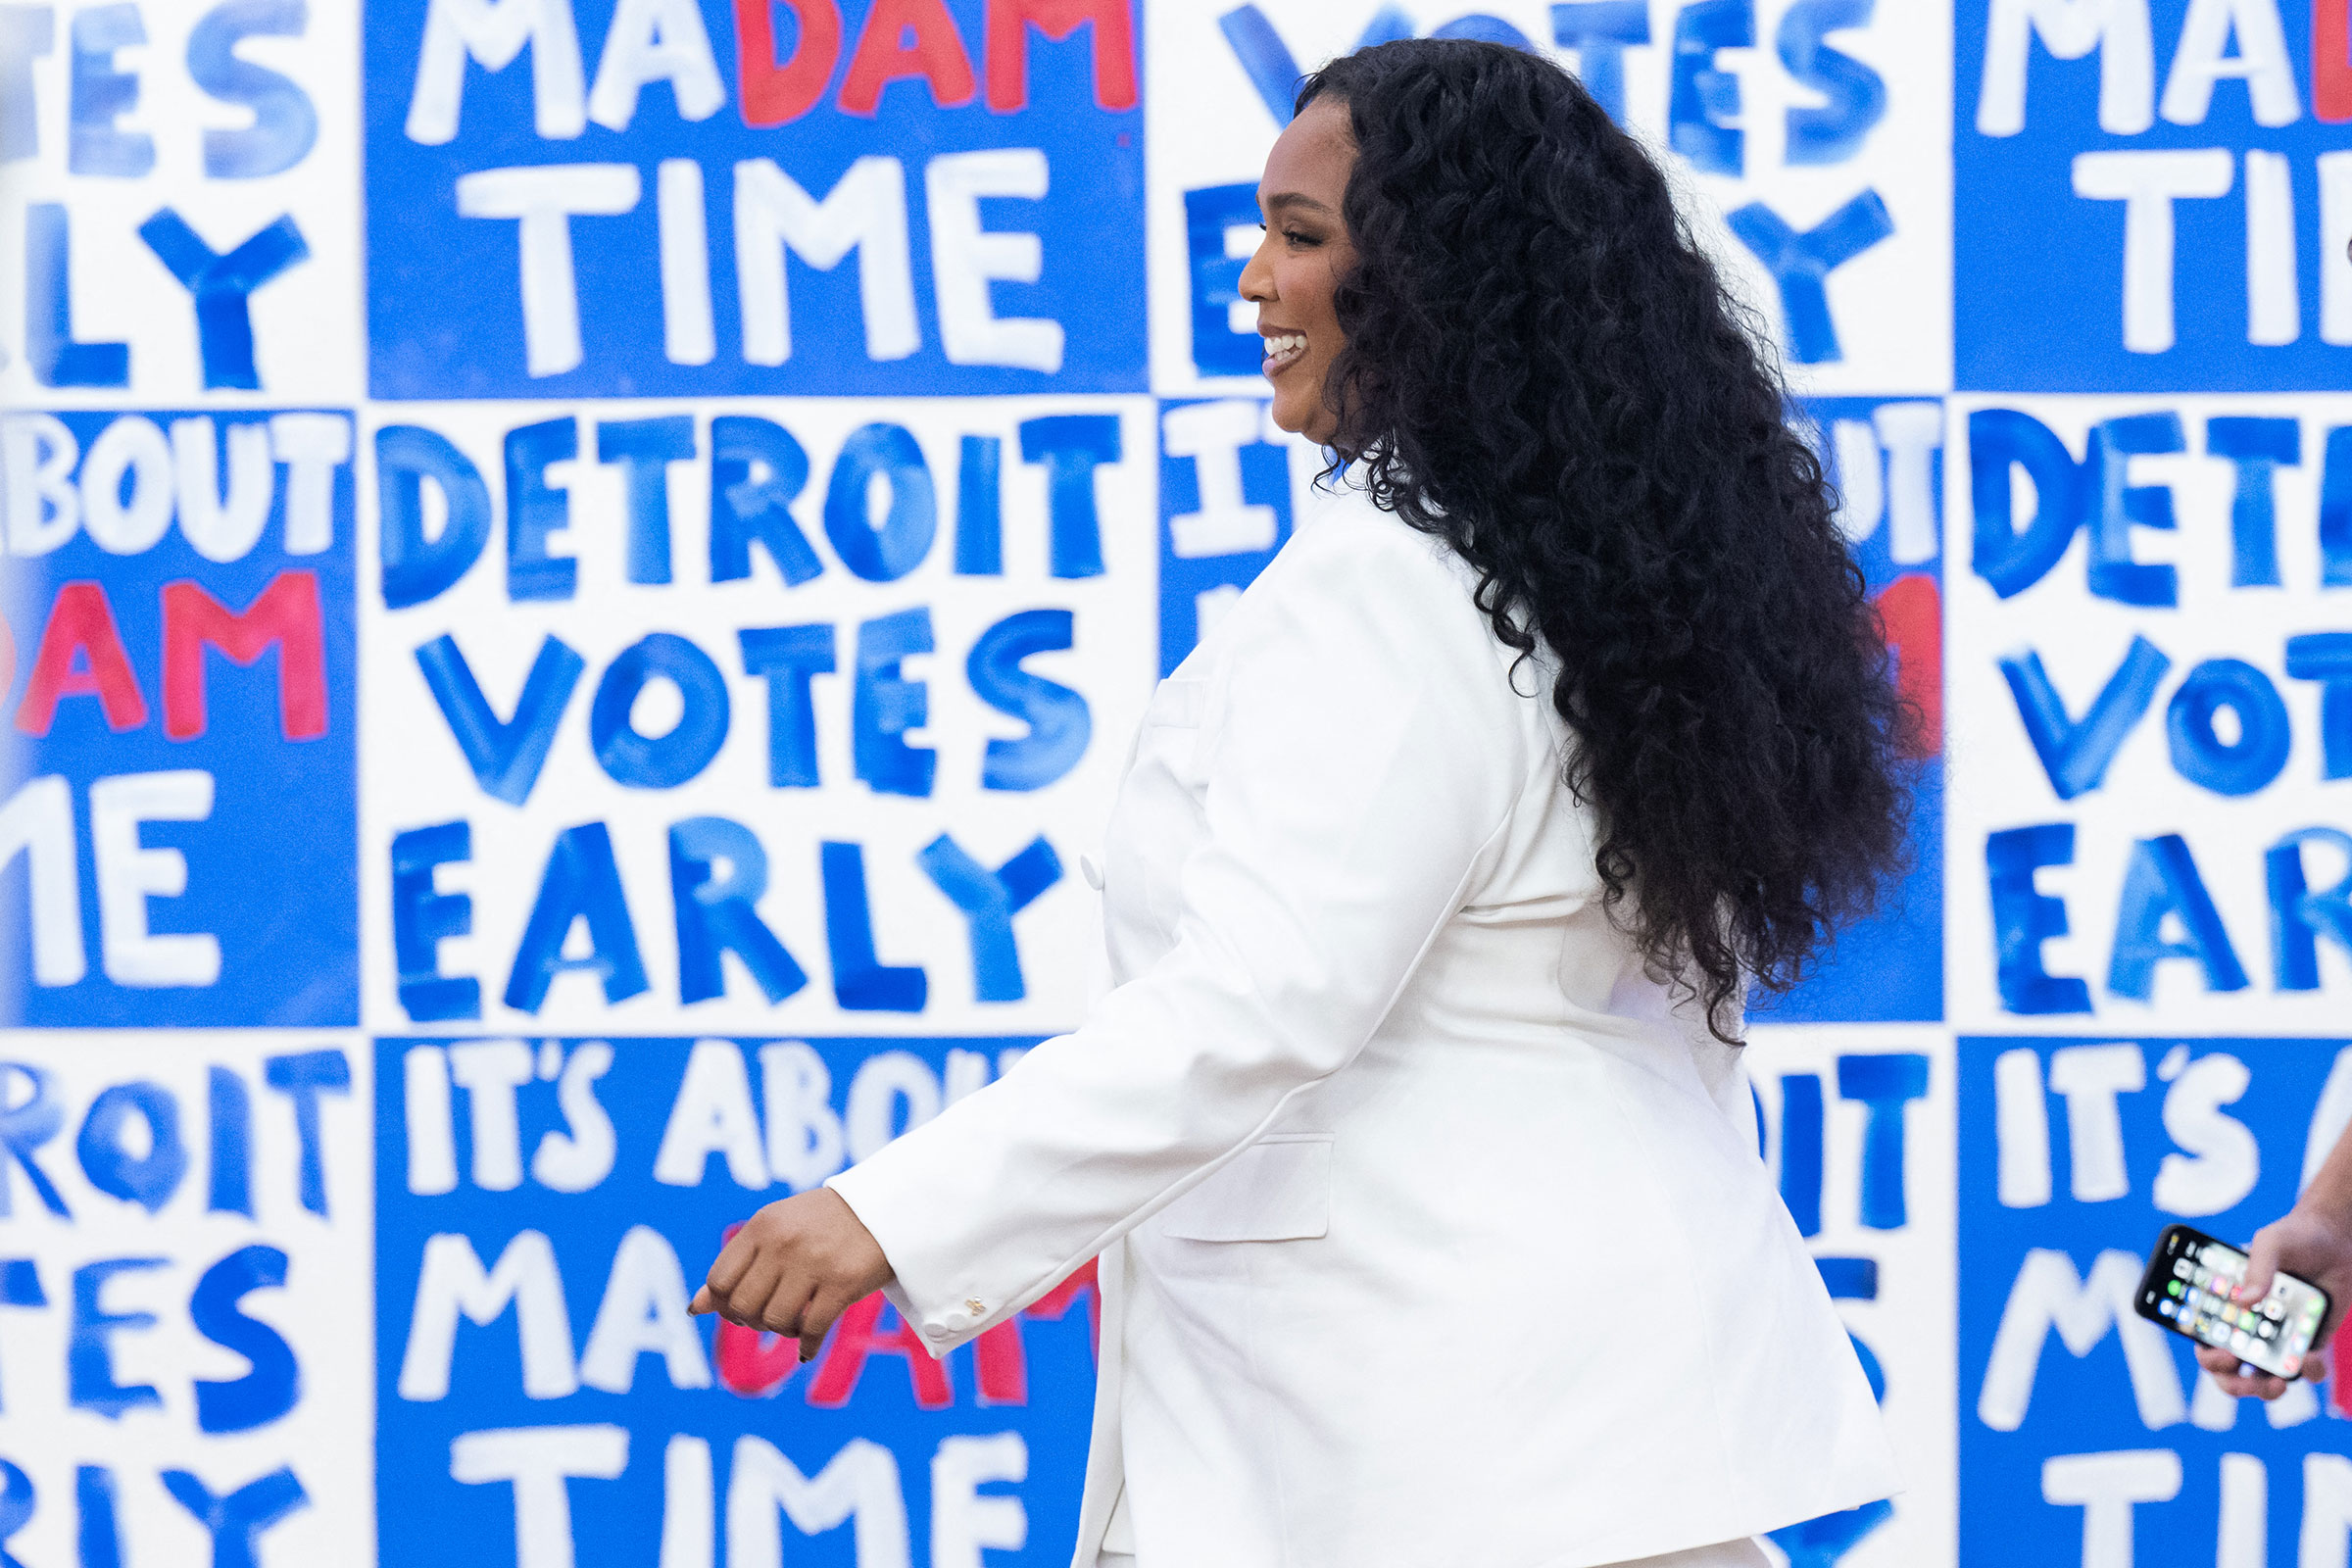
(1363, 747)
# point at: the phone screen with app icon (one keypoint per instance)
(2187, 1289)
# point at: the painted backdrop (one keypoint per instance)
(578, 576)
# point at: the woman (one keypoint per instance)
(1415, 1139)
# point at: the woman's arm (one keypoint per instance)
(1363, 748)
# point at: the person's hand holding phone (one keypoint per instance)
(2309, 1241)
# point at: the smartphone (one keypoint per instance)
(2186, 1288)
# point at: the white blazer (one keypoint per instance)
(1429, 1232)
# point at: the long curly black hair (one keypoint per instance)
(1544, 371)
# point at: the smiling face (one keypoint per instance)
(1300, 262)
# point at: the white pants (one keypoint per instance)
(1723, 1555)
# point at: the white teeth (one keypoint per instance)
(1288, 344)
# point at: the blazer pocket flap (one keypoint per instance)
(1277, 1190)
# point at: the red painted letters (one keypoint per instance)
(855, 1338)
(904, 38)
(756, 1365)
(1008, 21)
(908, 38)
(1911, 618)
(772, 93)
(2332, 59)
(285, 613)
(81, 632)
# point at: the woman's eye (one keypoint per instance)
(1298, 238)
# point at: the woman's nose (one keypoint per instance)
(1257, 277)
